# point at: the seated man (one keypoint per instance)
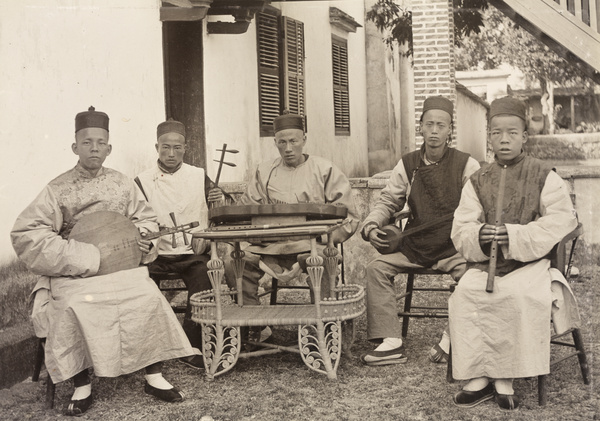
(505, 334)
(295, 177)
(115, 323)
(430, 181)
(172, 186)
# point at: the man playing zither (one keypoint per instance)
(295, 177)
(116, 323)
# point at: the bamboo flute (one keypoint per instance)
(498, 220)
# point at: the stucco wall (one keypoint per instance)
(58, 58)
(231, 92)
(471, 125)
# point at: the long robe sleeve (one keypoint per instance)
(533, 241)
(36, 240)
(394, 195)
(339, 192)
(527, 242)
(391, 199)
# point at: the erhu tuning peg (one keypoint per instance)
(231, 164)
(223, 151)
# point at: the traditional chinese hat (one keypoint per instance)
(508, 105)
(91, 118)
(438, 103)
(288, 121)
(170, 126)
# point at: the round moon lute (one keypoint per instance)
(116, 237)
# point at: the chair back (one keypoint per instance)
(558, 255)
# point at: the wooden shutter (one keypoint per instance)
(269, 59)
(293, 68)
(341, 97)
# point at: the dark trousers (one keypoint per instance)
(193, 271)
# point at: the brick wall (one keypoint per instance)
(433, 53)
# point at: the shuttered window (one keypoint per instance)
(280, 67)
(341, 97)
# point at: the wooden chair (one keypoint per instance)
(562, 262)
(421, 311)
(37, 368)
(170, 283)
(409, 309)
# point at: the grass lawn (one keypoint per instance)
(281, 387)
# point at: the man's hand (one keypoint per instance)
(199, 245)
(376, 240)
(490, 232)
(215, 195)
(144, 245)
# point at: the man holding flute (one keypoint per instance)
(511, 213)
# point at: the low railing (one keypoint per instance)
(584, 10)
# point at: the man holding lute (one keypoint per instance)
(429, 181)
(111, 318)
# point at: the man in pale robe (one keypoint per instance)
(173, 187)
(294, 177)
(115, 323)
(499, 336)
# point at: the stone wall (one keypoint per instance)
(565, 147)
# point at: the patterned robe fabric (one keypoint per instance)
(116, 323)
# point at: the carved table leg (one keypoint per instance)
(317, 347)
(221, 344)
(331, 262)
(238, 268)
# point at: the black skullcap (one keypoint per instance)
(438, 103)
(170, 126)
(91, 118)
(508, 105)
(288, 121)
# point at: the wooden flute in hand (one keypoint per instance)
(498, 221)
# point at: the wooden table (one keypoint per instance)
(319, 323)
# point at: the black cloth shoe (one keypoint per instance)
(507, 402)
(167, 395)
(195, 361)
(393, 356)
(468, 399)
(79, 406)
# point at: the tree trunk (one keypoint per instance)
(547, 101)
